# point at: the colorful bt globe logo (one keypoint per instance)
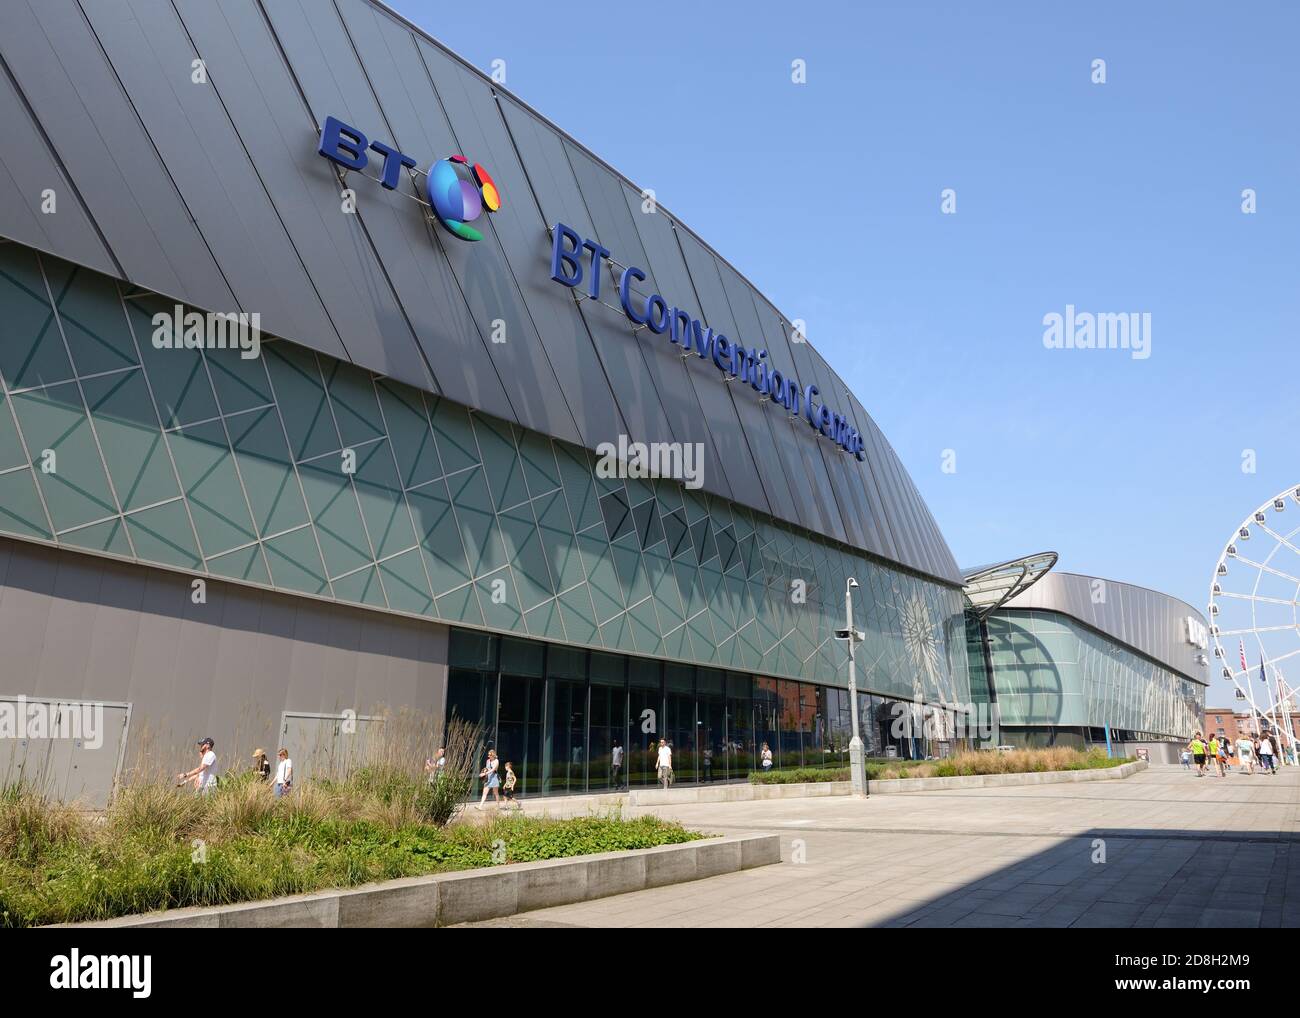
(459, 194)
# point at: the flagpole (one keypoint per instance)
(1250, 689)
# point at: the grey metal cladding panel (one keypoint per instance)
(679, 381)
(607, 206)
(765, 415)
(453, 340)
(520, 252)
(250, 76)
(810, 478)
(325, 65)
(640, 409)
(875, 483)
(731, 407)
(1144, 619)
(904, 522)
(90, 123)
(580, 385)
(933, 546)
(149, 50)
(27, 167)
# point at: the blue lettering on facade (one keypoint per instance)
(568, 248)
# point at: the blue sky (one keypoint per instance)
(1115, 197)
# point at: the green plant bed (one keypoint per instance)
(159, 848)
(1020, 761)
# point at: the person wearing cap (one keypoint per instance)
(261, 765)
(204, 775)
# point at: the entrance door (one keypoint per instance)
(328, 745)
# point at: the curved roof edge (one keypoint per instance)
(1145, 620)
(989, 587)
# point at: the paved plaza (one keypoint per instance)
(1160, 849)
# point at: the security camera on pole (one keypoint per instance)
(852, 637)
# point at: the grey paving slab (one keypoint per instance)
(1161, 849)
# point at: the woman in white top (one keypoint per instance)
(767, 758)
(491, 782)
(283, 774)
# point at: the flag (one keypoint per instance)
(1262, 676)
(1241, 647)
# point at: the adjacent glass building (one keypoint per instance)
(395, 502)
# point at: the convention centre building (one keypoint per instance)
(338, 384)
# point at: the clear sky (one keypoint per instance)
(1117, 197)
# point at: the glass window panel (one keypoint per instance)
(301, 396)
(439, 536)
(505, 471)
(499, 601)
(295, 562)
(352, 395)
(93, 319)
(132, 442)
(460, 606)
(11, 446)
(242, 564)
(109, 536)
(409, 431)
(212, 486)
(178, 378)
(579, 489)
(362, 587)
(544, 621)
(269, 480)
(406, 584)
(32, 352)
(578, 615)
(525, 553)
(240, 382)
(457, 447)
(164, 534)
(335, 513)
(20, 506)
(380, 494)
(558, 541)
(478, 524)
(75, 488)
(608, 669)
(525, 657)
(540, 471)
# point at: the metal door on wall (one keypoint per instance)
(327, 745)
(70, 750)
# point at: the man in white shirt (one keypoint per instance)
(616, 763)
(204, 775)
(283, 774)
(665, 763)
(1246, 754)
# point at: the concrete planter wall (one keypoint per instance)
(449, 898)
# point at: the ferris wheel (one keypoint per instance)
(1254, 624)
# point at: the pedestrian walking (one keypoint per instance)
(1246, 754)
(283, 774)
(1197, 746)
(766, 758)
(204, 776)
(1266, 761)
(261, 765)
(436, 765)
(1212, 751)
(616, 765)
(664, 762)
(1186, 757)
(491, 780)
(508, 786)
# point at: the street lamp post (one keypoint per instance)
(851, 637)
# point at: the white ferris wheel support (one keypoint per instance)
(1254, 598)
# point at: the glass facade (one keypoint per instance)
(558, 713)
(1051, 671)
(308, 475)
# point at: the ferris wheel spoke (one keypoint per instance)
(1268, 569)
(1278, 538)
(1258, 629)
(1259, 597)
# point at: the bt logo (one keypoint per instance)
(458, 192)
